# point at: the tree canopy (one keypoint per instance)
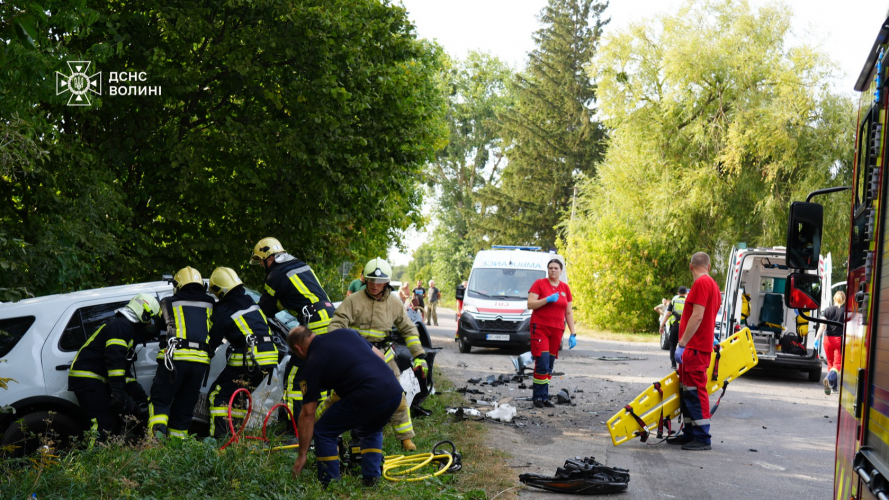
(306, 120)
(716, 124)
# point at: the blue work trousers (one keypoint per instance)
(367, 421)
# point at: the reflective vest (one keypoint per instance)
(192, 324)
(802, 326)
(104, 355)
(745, 308)
(678, 303)
(291, 285)
(239, 320)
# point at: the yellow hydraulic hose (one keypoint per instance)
(413, 463)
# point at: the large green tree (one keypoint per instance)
(718, 123)
(553, 131)
(478, 94)
(307, 120)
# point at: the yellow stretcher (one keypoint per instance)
(737, 355)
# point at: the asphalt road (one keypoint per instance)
(773, 436)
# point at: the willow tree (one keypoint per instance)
(717, 122)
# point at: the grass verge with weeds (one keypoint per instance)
(617, 336)
(194, 468)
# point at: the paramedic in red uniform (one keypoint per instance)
(833, 341)
(547, 327)
(693, 353)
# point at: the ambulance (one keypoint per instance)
(754, 298)
(495, 302)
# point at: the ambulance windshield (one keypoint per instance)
(509, 284)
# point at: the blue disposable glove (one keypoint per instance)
(678, 355)
(817, 344)
(715, 342)
(552, 298)
(572, 341)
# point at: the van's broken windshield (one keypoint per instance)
(504, 284)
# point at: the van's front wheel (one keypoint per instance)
(464, 346)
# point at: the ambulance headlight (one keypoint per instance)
(470, 309)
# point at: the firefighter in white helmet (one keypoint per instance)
(101, 374)
(372, 313)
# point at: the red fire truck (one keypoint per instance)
(862, 449)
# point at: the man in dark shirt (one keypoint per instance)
(419, 295)
(368, 395)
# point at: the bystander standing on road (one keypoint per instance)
(670, 321)
(696, 333)
(404, 293)
(661, 308)
(833, 341)
(548, 319)
(419, 295)
(356, 285)
(432, 306)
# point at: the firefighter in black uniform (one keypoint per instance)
(184, 358)
(101, 374)
(252, 355)
(292, 285)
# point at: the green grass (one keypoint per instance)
(195, 469)
(583, 331)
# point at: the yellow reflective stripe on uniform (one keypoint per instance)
(401, 429)
(409, 341)
(300, 286)
(294, 395)
(86, 374)
(180, 321)
(319, 324)
(159, 419)
(116, 373)
(175, 433)
(130, 379)
(373, 333)
(327, 459)
(270, 290)
(92, 337)
(242, 325)
(371, 450)
(119, 342)
(389, 356)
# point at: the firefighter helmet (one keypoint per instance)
(265, 247)
(186, 276)
(378, 271)
(223, 280)
(145, 306)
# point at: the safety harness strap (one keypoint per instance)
(715, 376)
(724, 387)
(643, 433)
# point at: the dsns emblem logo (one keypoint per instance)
(79, 83)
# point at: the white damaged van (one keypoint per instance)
(495, 302)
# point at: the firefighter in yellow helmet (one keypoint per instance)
(251, 356)
(184, 358)
(101, 375)
(291, 285)
(372, 313)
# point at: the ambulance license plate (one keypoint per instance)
(497, 337)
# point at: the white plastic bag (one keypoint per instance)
(503, 413)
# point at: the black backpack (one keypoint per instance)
(792, 344)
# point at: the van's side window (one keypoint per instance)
(84, 322)
(11, 331)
